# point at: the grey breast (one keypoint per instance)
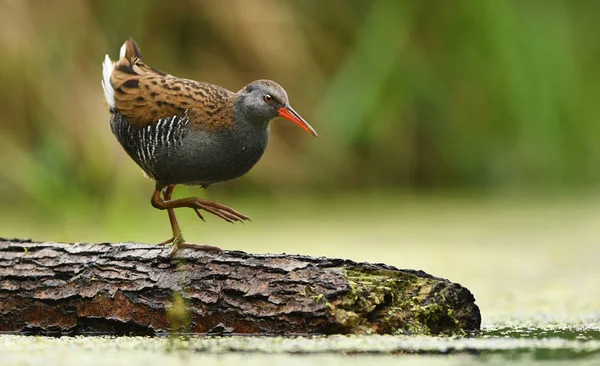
(172, 151)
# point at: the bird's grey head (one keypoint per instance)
(261, 100)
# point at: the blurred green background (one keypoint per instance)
(407, 95)
(458, 137)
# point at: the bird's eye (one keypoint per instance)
(268, 98)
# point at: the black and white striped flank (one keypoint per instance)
(142, 143)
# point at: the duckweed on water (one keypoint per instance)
(564, 344)
(508, 345)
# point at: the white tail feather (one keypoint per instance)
(123, 50)
(107, 70)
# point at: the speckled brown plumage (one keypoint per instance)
(145, 95)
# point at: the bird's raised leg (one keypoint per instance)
(226, 213)
(177, 239)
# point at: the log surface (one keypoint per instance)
(135, 289)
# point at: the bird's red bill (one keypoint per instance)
(291, 115)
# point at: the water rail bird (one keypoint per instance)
(182, 131)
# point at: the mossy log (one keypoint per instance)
(135, 289)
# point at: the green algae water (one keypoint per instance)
(577, 345)
(531, 265)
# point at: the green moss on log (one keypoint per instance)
(397, 302)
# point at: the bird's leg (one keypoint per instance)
(226, 213)
(177, 239)
(167, 192)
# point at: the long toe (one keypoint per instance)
(226, 213)
(230, 210)
(203, 247)
(177, 245)
(168, 241)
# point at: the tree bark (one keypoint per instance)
(131, 288)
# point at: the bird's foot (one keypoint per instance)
(178, 242)
(226, 213)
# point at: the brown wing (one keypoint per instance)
(144, 95)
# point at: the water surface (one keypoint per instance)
(533, 266)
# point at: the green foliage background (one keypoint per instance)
(408, 96)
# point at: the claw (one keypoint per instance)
(199, 214)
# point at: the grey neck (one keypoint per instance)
(247, 117)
